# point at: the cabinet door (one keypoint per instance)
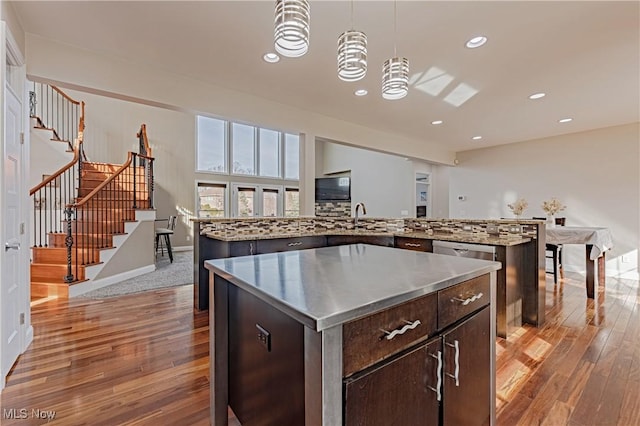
(467, 352)
(242, 248)
(399, 392)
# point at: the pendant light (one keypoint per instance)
(291, 32)
(352, 54)
(395, 71)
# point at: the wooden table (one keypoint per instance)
(596, 240)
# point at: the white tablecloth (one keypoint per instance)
(600, 238)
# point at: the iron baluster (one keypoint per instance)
(69, 244)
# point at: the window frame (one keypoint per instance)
(212, 183)
(226, 147)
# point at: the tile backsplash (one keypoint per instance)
(298, 225)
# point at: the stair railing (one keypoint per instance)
(94, 219)
(50, 196)
(56, 111)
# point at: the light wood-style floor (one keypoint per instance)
(143, 359)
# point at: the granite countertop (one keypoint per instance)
(465, 238)
(328, 286)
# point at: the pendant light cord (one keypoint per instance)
(352, 14)
(395, 24)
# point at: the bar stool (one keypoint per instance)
(165, 234)
(554, 252)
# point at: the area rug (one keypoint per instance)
(167, 274)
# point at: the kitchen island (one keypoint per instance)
(332, 335)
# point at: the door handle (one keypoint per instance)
(14, 246)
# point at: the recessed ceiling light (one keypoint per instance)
(537, 95)
(436, 122)
(271, 57)
(476, 42)
(476, 138)
(565, 120)
(361, 92)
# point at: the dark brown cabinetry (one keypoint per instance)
(209, 248)
(416, 244)
(378, 240)
(388, 395)
(445, 380)
(287, 244)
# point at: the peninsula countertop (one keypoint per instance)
(442, 236)
(329, 286)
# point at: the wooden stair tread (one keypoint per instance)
(57, 283)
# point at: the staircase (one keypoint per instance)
(83, 213)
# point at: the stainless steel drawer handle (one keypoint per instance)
(473, 298)
(461, 251)
(297, 243)
(439, 375)
(412, 244)
(456, 372)
(409, 326)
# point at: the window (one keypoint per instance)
(243, 149)
(256, 200)
(245, 201)
(211, 145)
(269, 153)
(270, 202)
(212, 199)
(291, 156)
(291, 202)
(261, 156)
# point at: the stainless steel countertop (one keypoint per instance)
(328, 286)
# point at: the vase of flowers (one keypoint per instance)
(552, 207)
(518, 207)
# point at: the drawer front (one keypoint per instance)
(338, 240)
(416, 244)
(287, 244)
(366, 343)
(462, 299)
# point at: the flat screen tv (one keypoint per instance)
(333, 189)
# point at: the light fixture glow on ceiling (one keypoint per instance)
(537, 95)
(361, 92)
(271, 57)
(291, 32)
(436, 122)
(476, 42)
(476, 138)
(565, 120)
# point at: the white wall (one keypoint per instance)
(384, 183)
(595, 173)
(111, 127)
(70, 66)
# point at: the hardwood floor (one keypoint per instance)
(143, 359)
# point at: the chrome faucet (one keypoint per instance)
(364, 211)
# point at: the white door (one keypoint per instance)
(10, 252)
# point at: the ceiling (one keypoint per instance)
(584, 55)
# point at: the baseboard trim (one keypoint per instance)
(182, 248)
(80, 289)
(28, 338)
